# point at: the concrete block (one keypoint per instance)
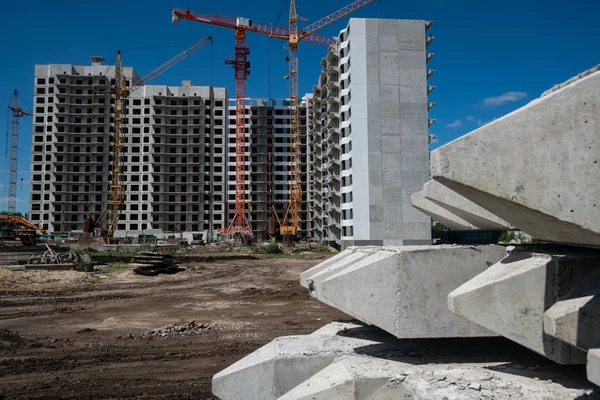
(403, 290)
(411, 59)
(593, 365)
(388, 43)
(353, 378)
(376, 230)
(575, 318)
(389, 76)
(372, 59)
(375, 213)
(390, 144)
(390, 161)
(412, 77)
(388, 60)
(388, 27)
(413, 128)
(412, 94)
(538, 167)
(281, 365)
(390, 110)
(476, 216)
(390, 126)
(510, 297)
(389, 93)
(372, 78)
(415, 111)
(443, 216)
(413, 43)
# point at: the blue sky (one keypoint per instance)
(491, 56)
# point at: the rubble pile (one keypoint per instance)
(177, 330)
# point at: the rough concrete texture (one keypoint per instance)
(332, 261)
(538, 167)
(575, 318)
(364, 363)
(403, 290)
(441, 215)
(593, 365)
(281, 365)
(463, 208)
(510, 297)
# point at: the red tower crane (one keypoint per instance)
(242, 69)
(17, 112)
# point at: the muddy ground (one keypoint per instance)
(74, 335)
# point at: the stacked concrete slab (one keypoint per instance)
(535, 170)
(349, 361)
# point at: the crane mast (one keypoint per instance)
(17, 112)
(116, 198)
(241, 66)
(121, 92)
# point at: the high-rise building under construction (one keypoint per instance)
(177, 166)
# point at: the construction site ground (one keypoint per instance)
(117, 335)
(69, 334)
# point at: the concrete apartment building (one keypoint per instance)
(268, 163)
(368, 135)
(180, 154)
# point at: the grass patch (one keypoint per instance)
(114, 267)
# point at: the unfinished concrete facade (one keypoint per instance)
(175, 152)
(180, 154)
(268, 164)
(368, 135)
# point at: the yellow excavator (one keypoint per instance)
(16, 227)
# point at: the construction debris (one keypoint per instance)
(152, 264)
(56, 257)
(176, 330)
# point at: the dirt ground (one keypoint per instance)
(74, 335)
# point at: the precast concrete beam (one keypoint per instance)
(355, 378)
(538, 167)
(403, 290)
(510, 297)
(575, 319)
(593, 365)
(332, 261)
(281, 365)
(463, 208)
(438, 213)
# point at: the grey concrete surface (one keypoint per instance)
(538, 167)
(593, 365)
(403, 290)
(510, 297)
(356, 362)
(575, 318)
(443, 216)
(354, 378)
(463, 208)
(281, 365)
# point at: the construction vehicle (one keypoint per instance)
(17, 113)
(121, 92)
(16, 227)
(293, 35)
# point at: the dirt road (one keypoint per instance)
(70, 335)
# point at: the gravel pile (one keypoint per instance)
(177, 330)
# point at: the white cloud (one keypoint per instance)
(474, 120)
(504, 98)
(455, 124)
